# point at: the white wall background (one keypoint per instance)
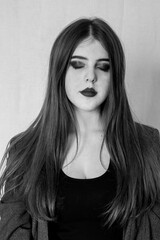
(27, 31)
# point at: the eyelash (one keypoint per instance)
(76, 64)
(105, 67)
(79, 65)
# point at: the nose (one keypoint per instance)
(91, 76)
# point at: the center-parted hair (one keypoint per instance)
(36, 156)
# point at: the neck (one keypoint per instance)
(89, 122)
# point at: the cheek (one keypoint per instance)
(72, 82)
(67, 86)
(70, 85)
(104, 83)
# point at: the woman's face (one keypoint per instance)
(88, 76)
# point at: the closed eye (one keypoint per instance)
(77, 64)
(104, 67)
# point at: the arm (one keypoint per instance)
(15, 221)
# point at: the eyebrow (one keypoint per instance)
(84, 58)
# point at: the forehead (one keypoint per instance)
(91, 47)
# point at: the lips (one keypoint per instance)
(88, 92)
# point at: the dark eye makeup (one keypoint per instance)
(102, 66)
(76, 64)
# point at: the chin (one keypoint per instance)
(86, 106)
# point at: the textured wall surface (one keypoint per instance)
(29, 27)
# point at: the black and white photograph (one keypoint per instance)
(79, 120)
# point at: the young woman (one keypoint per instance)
(84, 169)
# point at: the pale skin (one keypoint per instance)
(89, 68)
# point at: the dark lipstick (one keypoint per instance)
(88, 92)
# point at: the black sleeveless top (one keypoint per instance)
(80, 206)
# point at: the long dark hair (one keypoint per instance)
(35, 156)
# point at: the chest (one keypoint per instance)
(85, 199)
(81, 204)
(87, 159)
